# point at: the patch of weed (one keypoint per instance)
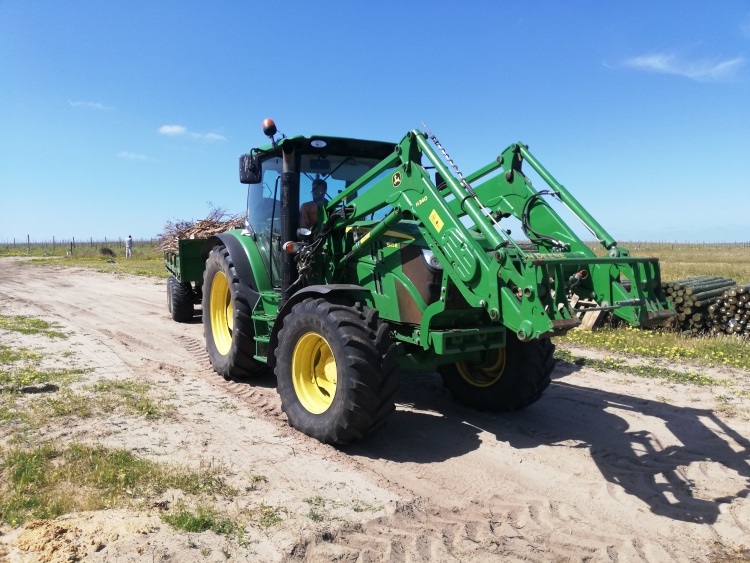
(30, 325)
(45, 481)
(130, 395)
(204, 518)
(362, 506)
(10, 355)
(620, 365)
(711, 351)
(255, 482)
(266, 516)
(21, 379)
(317, 500)
(314, 515)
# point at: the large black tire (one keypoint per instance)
(509, 379)
(335, 370)
(180, 300)
(227, 320)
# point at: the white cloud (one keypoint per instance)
(90, 105)
(131, 156)
(172, 130)
(176, 130)
(701, 70)
(214, 137)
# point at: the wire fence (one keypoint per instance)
(703, 245)
(72, 246)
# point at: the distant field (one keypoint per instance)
(146, 260)
(687, 260)
(144, 248)
(678, 260)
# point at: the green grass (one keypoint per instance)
(709, 351)
(152, 267)
(46, 481)
(202, 519)
(90, 249)
(620, 365)
(130, 396)
(689, 260)
(266, 516)
(29, 325)
(10, 355)
(20, 379)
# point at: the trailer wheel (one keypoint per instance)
(180, 300)
(335, 370)
(509, 379)
(227, 321)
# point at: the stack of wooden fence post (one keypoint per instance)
(731, 312)
(692, 299)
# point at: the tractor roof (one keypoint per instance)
(326, 145)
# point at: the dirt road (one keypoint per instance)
(605, 467)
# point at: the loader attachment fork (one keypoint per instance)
(527, 292)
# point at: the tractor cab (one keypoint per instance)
(281, 176)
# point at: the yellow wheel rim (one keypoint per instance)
(314, 373)
(486, 374)
(221, 313)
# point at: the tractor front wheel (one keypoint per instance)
(508, 379)
(227, 319)
(335, 370)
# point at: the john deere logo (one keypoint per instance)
(397, 179)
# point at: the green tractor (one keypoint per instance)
(401, 265)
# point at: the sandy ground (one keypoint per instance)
(605, 467)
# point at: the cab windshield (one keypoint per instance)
(264, 198)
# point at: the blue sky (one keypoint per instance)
(116, 117)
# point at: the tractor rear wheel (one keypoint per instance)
(335, 370)
(227, 320)
(508, 379)
(180, 300)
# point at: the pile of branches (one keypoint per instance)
(217, 222)
(731, 312)
(693, 298)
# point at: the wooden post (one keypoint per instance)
(53, 245)
(28, 245)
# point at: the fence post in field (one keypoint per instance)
(53, 246)
(28, 245)
(71, 248)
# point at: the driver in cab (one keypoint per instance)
(308, 213)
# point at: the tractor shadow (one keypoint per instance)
(429, 427)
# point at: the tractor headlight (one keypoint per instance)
(432, 262)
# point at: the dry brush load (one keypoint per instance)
(217, 222)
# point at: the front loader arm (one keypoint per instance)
(525, 292)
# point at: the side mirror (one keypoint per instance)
(304, 234)
(250, 172)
